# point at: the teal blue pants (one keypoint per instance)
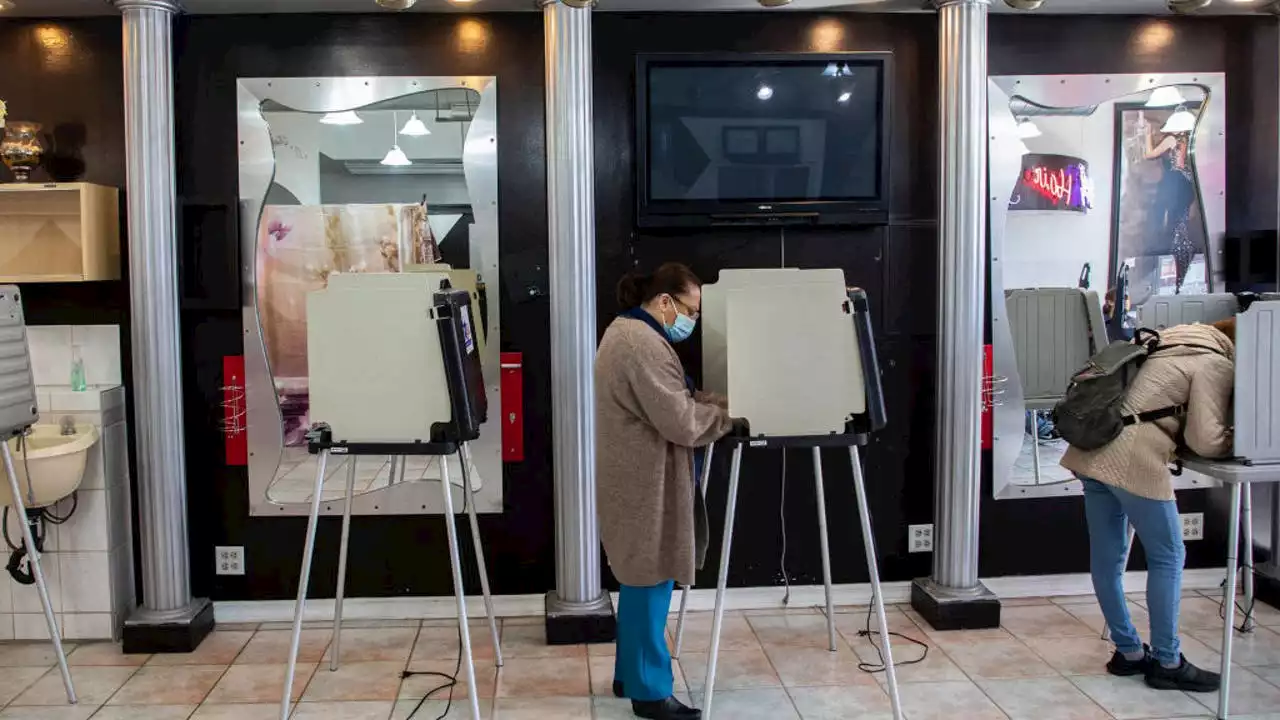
(643, 663)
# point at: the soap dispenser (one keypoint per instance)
(78, 383)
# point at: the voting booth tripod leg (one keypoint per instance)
(873, 571)
(468, 660)
(826, 551)
(464, 458)
(1228, 626)
(1128, 552)
(304, 579)
(33, 558)
(336, 650)
(684, 591)
(1246, 520)
(1035, 444)
(731, 508)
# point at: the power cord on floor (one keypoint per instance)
(879, 667)
(1248, 612)
(782, 516)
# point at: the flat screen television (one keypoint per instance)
(762, 139)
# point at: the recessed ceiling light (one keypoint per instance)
(765, 92)
(6, 5)
(1188, 6)
(1024, 4)
(845, 97)
(773, 3)
(397, 4)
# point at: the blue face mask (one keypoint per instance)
(681, 329)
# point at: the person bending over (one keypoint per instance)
(1128, 482)
(649, 421)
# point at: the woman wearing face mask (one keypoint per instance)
(649, 420)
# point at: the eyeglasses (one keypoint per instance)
(685, 308)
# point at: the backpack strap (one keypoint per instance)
(1150, 415)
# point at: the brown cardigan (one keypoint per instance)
(647, 424)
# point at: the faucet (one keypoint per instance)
(68, 425)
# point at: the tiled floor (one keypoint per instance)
(1046, 663)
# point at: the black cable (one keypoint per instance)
(1248, 612)
(879, 667)
(782, 516)
(48, 515)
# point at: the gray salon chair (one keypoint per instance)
(1055, 331)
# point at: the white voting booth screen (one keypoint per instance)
(1257, 398)
(374, 360)
(781, 344)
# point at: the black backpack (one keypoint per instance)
(1091, 414)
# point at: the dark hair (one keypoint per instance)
(636, 289)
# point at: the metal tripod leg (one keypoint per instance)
(826, 552)
(464, 458)
(308, 550)
(1035, 444)
(33, 557)
(1229, 622)
(873, 571)
(1128, 552)
(1246, 524)
(336, 650)
(731, 508)
(468, 660)
(391, 474)
(684, 591)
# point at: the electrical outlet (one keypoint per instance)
(1192, 526)
(229, 560)
(920, 538)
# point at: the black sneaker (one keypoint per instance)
(1186, 677)
(618, 689)
(1122, 666)
(669, 709)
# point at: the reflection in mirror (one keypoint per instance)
(1105, 211)
(377, 188)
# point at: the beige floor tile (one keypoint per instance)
(524, 620)
(999, 660)
(934, 666)
(1043, 699)
(94, 686)
(753, 704)
(808, 667)
(781, 609)
(602, 649)
(460, 709)
(418, 686)
(145, 712)
(1073, 656)
(247, 684)
(1270, 674)
(1260, 647)
(105, 653)
(736, 633)
(602, 675)
(947, 701)
(530, 641)
(808, 631)
(14, 680)
(1249, 694)
(1266, 615)
(849, 625)
(735, 670)
(841, 703)
(435, 642)
(611, 708)
(543, 678)
(1064, 600)
(76, 712)
(376, 645)
(1041, 621)
(252, 627)
(1129, 697)
(259, 711)
(356, 710)
(549, 708)
(30, 654)
(272, 646)
(355, 682)
(220, 648)
(1090, 614)
(182, 685)
(948, 638)
(1199, 613)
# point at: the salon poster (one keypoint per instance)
(1052, 182)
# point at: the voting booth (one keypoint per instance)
(394, 369)
(793, 351)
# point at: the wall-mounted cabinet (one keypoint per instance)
(59, 232)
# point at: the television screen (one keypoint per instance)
(747, 135)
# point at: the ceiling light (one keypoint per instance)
(832, 69)
(397, 4)
(1165, 96)
(1188, 6)
(1181, 121)
(348, 117)
(765, 92)
(845, 97)
(396, 157)
(415, 127)
(773, 3)
(6, 5)
(1028, 129)
(1024, 4)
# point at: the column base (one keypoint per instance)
(1266, 584)
(182, 631)
(578, 623)
(948, 609)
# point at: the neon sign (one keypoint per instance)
(1053, 182)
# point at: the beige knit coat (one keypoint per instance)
(1138, 460)
(647, 424)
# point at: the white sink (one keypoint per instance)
(55, 461)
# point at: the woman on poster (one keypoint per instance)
(1175, 195)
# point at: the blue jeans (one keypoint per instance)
(1110, 511)
(643, 663)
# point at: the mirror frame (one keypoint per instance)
(256, 172)
(1005, 163)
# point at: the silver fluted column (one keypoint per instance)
(962, 257)
(153, 301)
(571, 218)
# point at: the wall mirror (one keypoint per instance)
(352, 175)
(1106, 191)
